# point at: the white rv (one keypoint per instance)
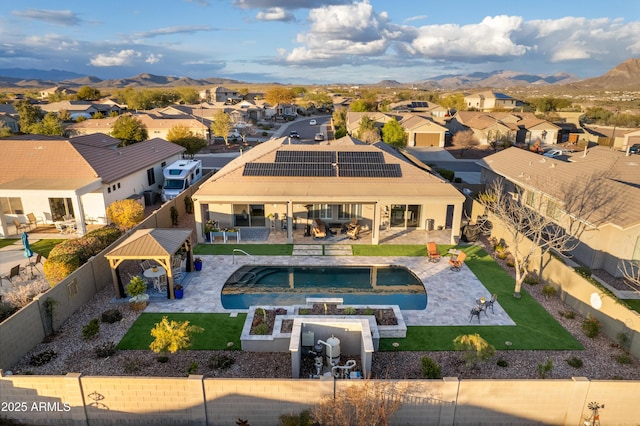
(179, 176)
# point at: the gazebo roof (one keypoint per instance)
(150, 244)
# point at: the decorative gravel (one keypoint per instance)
(74, 354)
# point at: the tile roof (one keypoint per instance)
(552, 176)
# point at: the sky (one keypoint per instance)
(318, 42)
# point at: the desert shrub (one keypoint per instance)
(173, 211)
(133, 365)
(220, 361)
(6, 310)
(502, 255)
(591, 327)
(531, 279)
(623, 340)
(430, 368)
(349, 310)
(624, 359)
(447, 174)
(261, 329)
(171, 336)
(305, 418)
(567, 314)
(511, 262)
(125, 213)
(23, 295)
(367, 311)
(545, 369)
(42, 358)
(193, 367)
(475, 348)
(57, 268)
(304, 311)
(105, 350)
(91, 330)
(583, 270)
(502, 363)
(549, 291)
(575, 362)
(111, 316)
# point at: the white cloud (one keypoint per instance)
(153, 58)
(59, 17)
(184, 29)
(275, 14)
(123, 57)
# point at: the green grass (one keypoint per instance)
(219, 329)
(252, 249)
(41, 246)
(633, 304)
(535, 328)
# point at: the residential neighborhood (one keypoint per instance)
(361, 252)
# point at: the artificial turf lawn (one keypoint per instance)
(42, 247)
(535, 328)
(219, 330)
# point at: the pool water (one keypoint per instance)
(291, 285)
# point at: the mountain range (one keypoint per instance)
(625, 76)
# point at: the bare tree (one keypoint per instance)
(465, 140)
(538, 223)
(631, 272)
(363, 404)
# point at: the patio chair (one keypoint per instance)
(33, 220)
(13, 273)
(456, 263)
(352, 224)
(61, 227)
(475, 312)
(489, 303)
(353, 233)
(176, 267)
(432, 252)
(145, 264)
(319, 229)
(19, 226)
(160, 283)
(33, 263)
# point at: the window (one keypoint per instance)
(349, 211)
(553, 209)
(320, 211)
(151, 176)
(11, 205)
(530, 198)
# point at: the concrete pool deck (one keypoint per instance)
(450, 294)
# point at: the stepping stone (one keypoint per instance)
(338, 250)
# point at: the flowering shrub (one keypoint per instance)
(591, 327)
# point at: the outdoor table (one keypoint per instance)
(150, 273)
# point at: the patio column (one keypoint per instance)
(81, 227)
(455, 226)
(375, 226)
(290, 222)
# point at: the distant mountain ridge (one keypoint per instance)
(625, 76)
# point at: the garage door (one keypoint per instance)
(427, 139)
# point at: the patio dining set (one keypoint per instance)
(23, 273)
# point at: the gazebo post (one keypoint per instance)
(115, 277)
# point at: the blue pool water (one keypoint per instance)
(291, 285)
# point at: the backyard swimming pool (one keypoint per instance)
(291, 285)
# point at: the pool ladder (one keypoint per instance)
(241, 251)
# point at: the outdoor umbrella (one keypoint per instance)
(25, 242)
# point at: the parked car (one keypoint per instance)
(635, 148)
(294, 134)
(313, 123)
(319, 137)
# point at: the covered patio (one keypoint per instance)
(159, 245)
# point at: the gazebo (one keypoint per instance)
(155, 244)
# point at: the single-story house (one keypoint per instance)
(489, 100)
(79, 177)
(613, 231)
(420, 130)
(336, 182)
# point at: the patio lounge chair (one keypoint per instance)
(456, 263)
(33, 220)
(352, 224)
(13, 273)
(318, 229)
(19, 225)
(353, 233)
(432, 252)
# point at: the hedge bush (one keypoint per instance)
(67, 256)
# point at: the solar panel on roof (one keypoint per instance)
(369, 170)
(305, 157)
(289, 169)
(360, 157)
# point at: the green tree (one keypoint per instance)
(28, 114)
(361, 105)
(393, 134)
(50, 125)
(465, 139)
(187, 95)
(64, 115)
(475, 348)
(279, 95)
(86, 93)
(129, 130)
(125, 213)
(184, 137)
(5, 131)
(221, 125)
(367, 130)
(340, 117)
(453, 102)
(171, 336)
